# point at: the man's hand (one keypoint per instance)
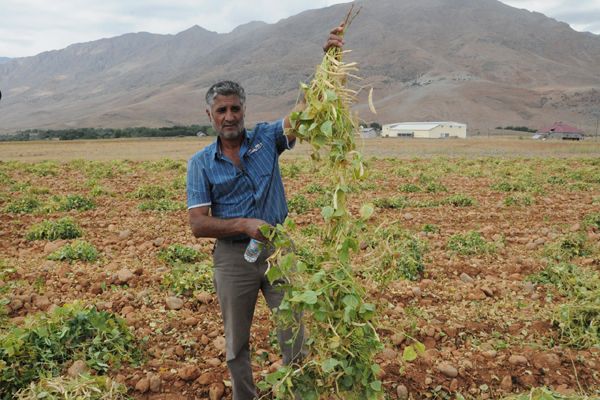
(335, 38)
(252, 228)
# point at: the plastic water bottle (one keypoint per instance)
(253, 250)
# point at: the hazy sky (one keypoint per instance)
(29, 27)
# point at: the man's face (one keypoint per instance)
(227, 116)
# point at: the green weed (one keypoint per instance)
(178, 253)
(509, 186)
(592, 221)
(409, 188)
(430, 228)
(83, 387)
(23, 205)
(459, 200)
(579, 319)
(545, 394)
(567, 247)
(74, 202)
(165, 164)
(47, 342)
(579, 322)
(435, 187)
(315, 188)
(519, 200)
(64, 228)
(470, 243)
(151, 192)
(78, 250)
(161, 205)
(299, 204)
(401, 255)
(291, 170)
(399, 202)
(44, 168)
(187, 279)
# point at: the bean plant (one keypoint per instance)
(321, 284)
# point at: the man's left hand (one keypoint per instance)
(335, 38)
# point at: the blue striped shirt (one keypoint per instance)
(252, 190)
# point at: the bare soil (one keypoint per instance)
(476, 326)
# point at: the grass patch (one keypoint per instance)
(47, 342)
(578, 320)
(299, 204)
(592, 221)
(187, 279)
(518, 200)
(64, 228)
(78, 250)
(470, 243)
(291, 170)
(151, 192)
(568, 247)
(23, 205)
(400, 255)
(409, 188)
(545, 394)
(509, 186)
(161, 205)
(44, 168)
(315, 188)
(83, 387)
(178, 253)
(398, 202)
(435, 187)
(430, 228)
(166, 164)
(459, 200)
(74, 202)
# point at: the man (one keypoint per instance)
(237, 179)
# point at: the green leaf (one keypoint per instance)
(376, 386)
(419, 347)
(409, 354)
(375, 368)
(308, 297)
(327, 128)
(351, 301)
(331, 95)
(366, 211)
(308, 114)
(327, 212)
(329, 365)
(273, 274)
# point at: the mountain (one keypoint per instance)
(475, 61)
(4, 59)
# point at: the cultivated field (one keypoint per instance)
(491, 261)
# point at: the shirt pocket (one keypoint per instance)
(231, 190)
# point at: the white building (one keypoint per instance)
(428, 130)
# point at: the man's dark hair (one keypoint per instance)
(225, 88)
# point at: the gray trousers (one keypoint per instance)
(237, 283)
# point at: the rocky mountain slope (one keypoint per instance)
(474, 61)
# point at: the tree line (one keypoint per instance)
(107, 133)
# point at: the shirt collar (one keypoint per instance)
(218, 153)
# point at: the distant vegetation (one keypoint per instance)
(517, 128)
(107, 133)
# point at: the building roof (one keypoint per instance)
(560, 127)
(420, 126)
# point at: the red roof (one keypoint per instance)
(560, 127)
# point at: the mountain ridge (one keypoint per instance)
(475, 61)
